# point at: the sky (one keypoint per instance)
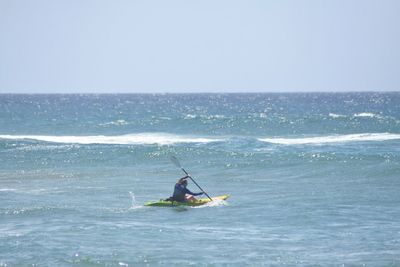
(176, 46)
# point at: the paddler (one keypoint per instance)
(181, 193)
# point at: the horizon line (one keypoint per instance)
(193, 93)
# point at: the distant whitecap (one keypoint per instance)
(366, 115)
(334, 115)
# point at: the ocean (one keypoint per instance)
(313, 179)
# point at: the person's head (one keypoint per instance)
(183, 182)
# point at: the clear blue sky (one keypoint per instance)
(71, 46)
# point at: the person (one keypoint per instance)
(181, 193)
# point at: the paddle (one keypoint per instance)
(178, 164)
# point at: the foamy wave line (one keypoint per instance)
(334, 115)
(367, 115)
(333, 139)
(169, 139)
(129, 139)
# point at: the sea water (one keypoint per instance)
(314, 179)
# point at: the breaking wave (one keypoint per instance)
(129, 139)
(333, 139)
(170, 139)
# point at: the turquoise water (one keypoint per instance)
(314, 179)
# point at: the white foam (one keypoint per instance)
(190, 116)
(7, 190)
(217, 116)
(117, 122)
(129, 139)
(214, 203)
(334, 115)
(366, 115)
(206, 117)
(170, 139)
(333, 139)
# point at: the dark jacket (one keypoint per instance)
(180, 191)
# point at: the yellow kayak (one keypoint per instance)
(169, 203)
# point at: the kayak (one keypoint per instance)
(169, 203)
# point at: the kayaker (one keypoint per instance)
(181, 193)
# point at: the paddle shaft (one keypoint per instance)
(196, 183)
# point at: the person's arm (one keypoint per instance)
(187, 191)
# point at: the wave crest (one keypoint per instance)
(332, 139)
(170, 139)
(129, 139)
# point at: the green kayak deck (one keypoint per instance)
(168, 203)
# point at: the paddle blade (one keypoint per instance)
(175, 161)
